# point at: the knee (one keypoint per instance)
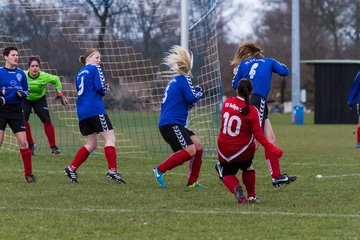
(191, 150)
(90, 147)
(272, 138)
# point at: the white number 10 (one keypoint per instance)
(228, 123)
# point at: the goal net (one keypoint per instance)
(133, 37)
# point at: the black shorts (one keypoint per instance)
(40, 107)
(95, 124)
(260, 103)
(177, 136)
(14, 116)
(225, 169)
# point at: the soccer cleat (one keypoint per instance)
(115, 176)
(196, 185)
(159, 176)
(71, 174)
(30, 178)
(55, 150)
(283, 179)
(240, 195)
(357, 145)
(32, 149)
(219, 170)
(253, 200)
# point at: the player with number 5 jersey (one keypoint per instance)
(178, 98)
(250, 63)
(91, 87)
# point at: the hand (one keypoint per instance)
(2, 101)
(235, 69)
(277, 152)
(350, 107)
(63, 100)
(199, 92)
(2, 92)
(19, 94)
(107, 86)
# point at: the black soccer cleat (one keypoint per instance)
(71, 174)
(116, 177)
(219, 170)
(30, 178)
(55, 150)
(32, 149)
(240, 195)
(283, 179)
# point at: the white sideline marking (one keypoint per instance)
(324, 164)
(340, 175)
(177, 211)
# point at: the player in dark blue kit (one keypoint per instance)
(354, 98)
(250, 63)
(178, 97)
(91, 87)
(14, 88)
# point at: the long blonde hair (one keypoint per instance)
(179, 60)
(247, 49)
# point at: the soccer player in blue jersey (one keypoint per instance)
(250, 63)
(178, 97)
(354, 98)
(14, 88)
(91, 86)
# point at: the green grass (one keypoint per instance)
(98, 208)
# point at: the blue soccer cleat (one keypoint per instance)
(159, 176)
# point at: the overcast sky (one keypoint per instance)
(246, 16)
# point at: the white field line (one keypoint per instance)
(340, 175)
(179, 211)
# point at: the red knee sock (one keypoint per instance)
(80, 157)
(273, 164)
(230, 182)
(28, 134)
(358, 134)
(26, 157)
(174, 160)
(194, 167)
(50, 133)
(110, 154)
(248, 178)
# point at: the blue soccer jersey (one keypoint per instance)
(259, 71)
(179, 95)
(354, 97)
(90, 85)
(13, 80)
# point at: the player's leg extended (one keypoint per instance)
(195, 163)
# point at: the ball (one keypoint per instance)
(319, 176)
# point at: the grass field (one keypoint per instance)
(98, 208)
